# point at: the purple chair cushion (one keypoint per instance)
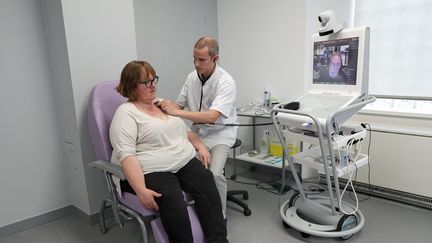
(103, 102)
(133, 203)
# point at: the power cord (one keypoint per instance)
(355, 153)
(353, 190)
(350, 153)
(368, 164)
(259, 185)
(234, 124)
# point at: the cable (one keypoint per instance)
(259, 185)
(351, 153)
(355, 194)
(368, 164)
(235, 125)
(354, 151)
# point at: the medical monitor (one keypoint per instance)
(341, 62)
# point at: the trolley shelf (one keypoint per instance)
(261, 160)
(312, 158)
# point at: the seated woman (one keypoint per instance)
(157, 154)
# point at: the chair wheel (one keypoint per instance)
(247, 212)
(233, 177)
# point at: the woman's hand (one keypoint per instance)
(204, 156)
(146, 197)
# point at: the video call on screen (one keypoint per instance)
(347, 49)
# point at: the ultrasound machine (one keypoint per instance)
(316, 118)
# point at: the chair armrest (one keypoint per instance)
(109, 167)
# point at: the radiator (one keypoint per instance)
(400, 166)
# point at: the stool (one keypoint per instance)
(244, 193)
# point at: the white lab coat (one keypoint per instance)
(219, 93)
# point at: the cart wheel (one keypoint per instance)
(293, 199)
(347, 222)
(305, 235)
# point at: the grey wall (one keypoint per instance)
(99, 39)
(52, 53)
(166, 31)
(32, 165)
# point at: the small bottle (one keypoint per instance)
(264, 143)
(267, 99)
(292, 147)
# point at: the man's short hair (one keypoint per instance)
(211, 43)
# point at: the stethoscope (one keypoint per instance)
(203, 81)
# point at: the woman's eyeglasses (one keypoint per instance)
(150, 82)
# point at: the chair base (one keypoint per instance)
(232, 193)
(230, 197)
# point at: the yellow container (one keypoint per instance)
(276, 149)
(293, 149)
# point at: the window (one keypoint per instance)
(400, 67)
(400, 46)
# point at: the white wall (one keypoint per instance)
(262, 45)
(399, 153)
(343, 11)
(32, 163)
(166, 31)
(266, 44)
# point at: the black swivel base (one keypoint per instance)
(243, 193)
(230, 197)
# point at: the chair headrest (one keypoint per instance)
(103, 102)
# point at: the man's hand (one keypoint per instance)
(169, 107)
(146, 197)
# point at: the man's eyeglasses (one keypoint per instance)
(150, 82)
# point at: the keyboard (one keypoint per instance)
(322, 105)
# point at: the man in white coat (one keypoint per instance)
(209, 94)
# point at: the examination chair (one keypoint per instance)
(103, 102)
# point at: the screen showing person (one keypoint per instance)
(335, 61)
